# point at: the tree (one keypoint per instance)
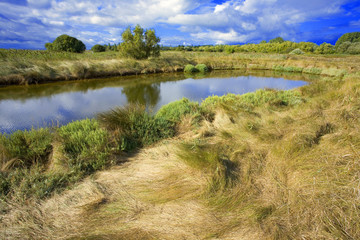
(348, 37)
(139, 44)
(325, 48)
(98, 48)
(66, 43)
(343, 47)
(277, 40)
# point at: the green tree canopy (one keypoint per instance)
(139, 44)
(66, 43)
(277, 40)
(325, 48)
(98, 48)
(348, 37)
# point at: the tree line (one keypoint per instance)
(142, 43)
(348, 43)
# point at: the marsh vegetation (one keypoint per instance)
(269, 164)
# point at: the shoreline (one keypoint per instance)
(39, 72)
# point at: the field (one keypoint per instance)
(263, 165)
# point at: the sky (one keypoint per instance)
(29, 24)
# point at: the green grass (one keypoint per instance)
(133, 127)
(189, 68)
(25, 148)
(85, 145)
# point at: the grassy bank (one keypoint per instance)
(263, 165)
(19, 67)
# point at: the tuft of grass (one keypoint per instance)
(174, 111)
(25, 148)
(85, 145)
(210, 159)
(133, 127)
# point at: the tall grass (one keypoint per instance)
(85, 145)
(295, 163)
(25, 148)
(133, 127)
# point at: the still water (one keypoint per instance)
(23, 107)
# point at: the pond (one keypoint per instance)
(24, 107)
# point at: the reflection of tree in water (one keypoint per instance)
(148, 94)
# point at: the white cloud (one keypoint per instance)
(255, 19)
(206, 22)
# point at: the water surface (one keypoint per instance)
(23, 107)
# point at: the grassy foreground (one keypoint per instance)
(21, 67)
(263, 165)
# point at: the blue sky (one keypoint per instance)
(29, 24)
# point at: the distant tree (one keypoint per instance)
(354, 48)
(66, 43)
(229, 49)
(348, 37)
(325, 48)
(98, 48)
(343, 47)
(139, 44)
(263, 41)
(277, 40)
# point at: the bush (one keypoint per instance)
(189, 68)
(140, 44)
(202, 68)
(85, 145)
(66, 43)
(133, 127)
(296, 51)
(26, 148)
(98, 48)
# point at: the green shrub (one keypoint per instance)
(26, 147)
(85, 145)
(133, 127)
(189, 68)
(66, 43)
(296, 51)
(98, 48)
(202, 68)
